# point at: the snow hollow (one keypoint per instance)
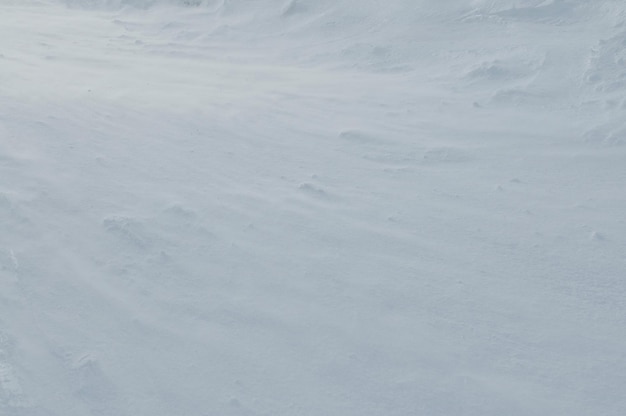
(312, 208)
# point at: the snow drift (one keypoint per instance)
(248, 207)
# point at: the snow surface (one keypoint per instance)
(312, 207)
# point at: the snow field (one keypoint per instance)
(278, 208)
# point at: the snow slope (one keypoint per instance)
(273, 207)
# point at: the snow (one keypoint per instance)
(305, 207)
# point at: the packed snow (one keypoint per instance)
(312, 207)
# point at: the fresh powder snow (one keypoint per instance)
(312, 207)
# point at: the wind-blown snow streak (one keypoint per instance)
(302, 207)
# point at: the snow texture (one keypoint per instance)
(312, 207)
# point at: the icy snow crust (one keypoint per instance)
(312, 208)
